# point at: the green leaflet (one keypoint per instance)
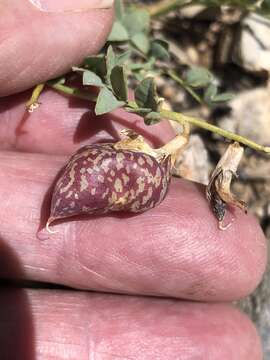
(198, 77)
(107, 102)
(89, 77)
(119, 83)
(96, 64)
(136, 21)
(146, 95)
(152, 118)
(141, 42)
(118, 32)
(160, 50)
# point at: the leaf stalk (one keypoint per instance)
(181, 118)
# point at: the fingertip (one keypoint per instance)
(46, 45)
(231, 262)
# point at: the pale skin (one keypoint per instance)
(175, 250)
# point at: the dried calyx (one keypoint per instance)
(218, 190)
(127, 176)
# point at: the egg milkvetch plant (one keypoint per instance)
(132, 55)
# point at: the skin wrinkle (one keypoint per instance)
(68, 6)
(47, 348)
(91, 352)
(64, 258)
(123, 283)
(98, 275)
(6, 36)
(164, 282)
(194, 282)
(20, 73)
(71, 238)
(191, 273)
(114, 284)
(10, 49)
(132, 265)
(211, 283)
(10, 44)
(146, 311)
(110, 354)
(39, 268)
(54, 61)
(118, 258)
(49, 253)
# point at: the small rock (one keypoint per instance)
(194, 164)
(192, 10)
(252, 47)
(250, 114)
(242, 191)
(168, 92)
(192, 54)
(264, 329)
(268, 211)
(257, 306)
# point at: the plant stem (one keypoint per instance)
(33, 102)
(181, 82)
(80, 94)
(170, 115)
(165, 7)
(181, 118)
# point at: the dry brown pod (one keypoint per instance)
(218, 191)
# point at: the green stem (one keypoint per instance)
(80, 94)
(165, 7)
(181, 118)
(170, 115)
(33, 102)
(181, 82)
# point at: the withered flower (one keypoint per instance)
(218, 191)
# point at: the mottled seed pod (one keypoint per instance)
(127, 176)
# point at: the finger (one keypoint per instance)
(63, 324)
(175, 249)
(38, 45)
(61, 125)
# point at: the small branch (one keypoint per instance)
(181, 118)
(32, 104)
(80, 94)
(181, 82)
(165, 7)
(170, 115)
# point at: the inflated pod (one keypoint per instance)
(127, 176)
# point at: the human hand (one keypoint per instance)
(174, 250)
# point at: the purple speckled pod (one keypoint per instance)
(126, 176)
(99, 179)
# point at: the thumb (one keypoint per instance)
(42, 39)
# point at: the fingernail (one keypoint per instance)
(71, 5)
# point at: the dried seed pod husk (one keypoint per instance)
(127, 176)
(218, 191)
